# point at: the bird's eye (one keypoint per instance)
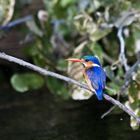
(86, 60)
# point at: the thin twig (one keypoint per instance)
(128, 77)
(132, 70)
(108, 111)
(67, 79)
(123, 107)
(122, 57)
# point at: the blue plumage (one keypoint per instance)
(97, 76)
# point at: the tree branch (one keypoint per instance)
(108, 111)
(67, 79)
(128, 76)
(122, 57)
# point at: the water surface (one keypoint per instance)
(42, 116)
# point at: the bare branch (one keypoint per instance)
(122, 57)
(128, 76)
(123, 107)
(67, 79)
(108, 111)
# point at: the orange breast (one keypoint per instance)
(88, 64)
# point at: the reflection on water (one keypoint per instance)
(42, 116)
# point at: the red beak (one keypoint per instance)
(76, 60)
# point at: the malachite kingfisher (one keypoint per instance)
(94, 74)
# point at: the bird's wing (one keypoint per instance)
(97, 77)
(93, 78)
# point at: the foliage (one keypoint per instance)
(76, 28)
(26, 81)
(6, 11)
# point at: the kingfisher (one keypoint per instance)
(94, 74)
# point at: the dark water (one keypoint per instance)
(41, 116)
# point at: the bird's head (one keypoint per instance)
(88, 61)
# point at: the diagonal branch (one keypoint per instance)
(128, 76)
(67, 79)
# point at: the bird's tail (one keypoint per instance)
(99, 94)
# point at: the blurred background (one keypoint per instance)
(45, 33)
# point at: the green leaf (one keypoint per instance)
(98, 34)
(62, 65)
(133, 122)
(107, 2)
(135, 4)
(57, 87)
(6, 11)
(97, 50)
(26, 81)
(114, 88)
(134, 89)
(110, 74)
(65, 3)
